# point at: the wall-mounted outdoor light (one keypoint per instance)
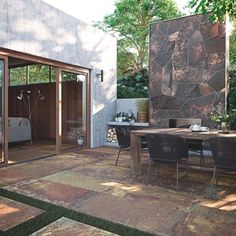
(100, 75)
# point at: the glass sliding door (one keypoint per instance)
(73, 110)
(3, 115)
(32, 113)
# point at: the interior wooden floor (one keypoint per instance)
(26, 151)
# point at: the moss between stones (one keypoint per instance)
(54, 212)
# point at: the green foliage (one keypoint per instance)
(232, 47)
(134, 85)
(68, 76)
(232, 75)
(129, 23)
(219, 8)
(232, 91)
(38, 74)
(125, 59)
(18, 76)
(232, 97)
(219, 118)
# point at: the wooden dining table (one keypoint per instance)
(136, 135)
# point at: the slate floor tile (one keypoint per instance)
(146, 213)
(78, 180)
(13, 213)
(67, 227)
(57, 193)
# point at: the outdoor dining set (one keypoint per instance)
(172, 146)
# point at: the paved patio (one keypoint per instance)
(87, 182)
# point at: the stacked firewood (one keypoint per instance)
(111, 136)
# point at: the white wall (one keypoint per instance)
(34, 27)
(126, 104)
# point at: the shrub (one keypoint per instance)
(134, 85)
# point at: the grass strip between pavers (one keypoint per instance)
(54, 212)
(34, 224)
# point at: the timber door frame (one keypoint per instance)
(5, 113)
(87, 74)
(59, 66)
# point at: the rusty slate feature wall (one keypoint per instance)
(187, 69)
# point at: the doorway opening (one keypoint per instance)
(32, 109)
(73, 109)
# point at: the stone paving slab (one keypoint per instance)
(102, 150)
(103, 171)
(33, 170)
(31, 154)
(13, 213)
(95, 153)
(68, 159)
(67, 227)
(51, 165)
(190, 181)
(8, 176)
(78, 180)
(229, 181)
(207, 221)
(120, 189)
(84, 182)
(123, 188)
(57, 193)
(225, 201)
(145, 213)
(124, 159)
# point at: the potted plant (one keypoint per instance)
(222, 121)
(142, 110)
(118, 117)
(80, 133)
(76, 133)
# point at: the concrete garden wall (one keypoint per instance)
(187, 69)
(34, 27)
(126, 104)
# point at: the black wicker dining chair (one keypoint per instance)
(195, 145)
(123, 137)
(224, 155)
(166, 148)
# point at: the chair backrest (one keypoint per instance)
(224, 151)
(166, 147)
(193, 144)
(184, 126)
(123, 135)
(183, 122)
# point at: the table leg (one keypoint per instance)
(135, 143)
